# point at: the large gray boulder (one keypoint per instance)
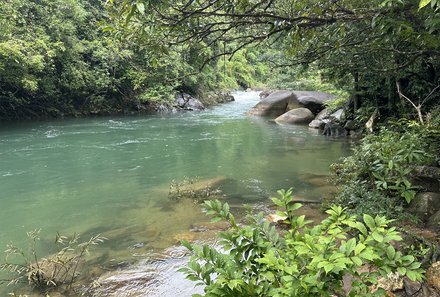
(187, 102)
(275, 104)
(426, 177)
(317, 124)
(425, 204)
(278, 102)
(314, 101)
(296, 116)
(434, 220)
(338, 115)
(323, 114)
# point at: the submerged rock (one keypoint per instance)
(158, 276)
(196, 189)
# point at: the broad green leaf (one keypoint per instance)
(423, 3)
(401, 270)
(368, 254)
(359, 248)
(295, 206)
(350, 245)
(140, 7)
(357, 261)
(328, 267)
(412, 275)
(391, 252)
(277, 202)
(377, 236)
(369, 221)
(361, 228)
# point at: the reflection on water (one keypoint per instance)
(112, 175)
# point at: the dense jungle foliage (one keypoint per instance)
(89, 57)
(56, 59)
(371, 48)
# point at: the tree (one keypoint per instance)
(367, 44)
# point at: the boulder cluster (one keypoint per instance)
(306, 108)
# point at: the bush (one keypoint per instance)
(383, 162)
(58, 270)
(256, 260)
(360, 200)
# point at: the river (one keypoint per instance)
(111, 175)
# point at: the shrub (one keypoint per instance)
(256, 260)
(360, 200)
(60, 269)
(383, 162)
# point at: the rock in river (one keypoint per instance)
(295, 116)
(279, 102)
(275, 104)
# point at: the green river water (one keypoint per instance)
(111, 175)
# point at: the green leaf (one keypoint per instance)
(359, 248)
(401, 270)
(216, 219)
(423, 3)
(140, 7)
(350, 245)
(328, 267)
(369, 221)
(361, 228)
(277, 202)
(357, 261)
(412, 275)
(368, 255)
(295, 206)
(187, 245)
(391, 252)
(376, 236)
(390, 164)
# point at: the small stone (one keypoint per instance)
(350, 125)
(393, 282)
(317, 124)
(433, 275)
(274, 218)
(411, 287)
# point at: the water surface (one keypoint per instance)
(112, 175)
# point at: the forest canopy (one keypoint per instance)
(92, 57)
(370, 47)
